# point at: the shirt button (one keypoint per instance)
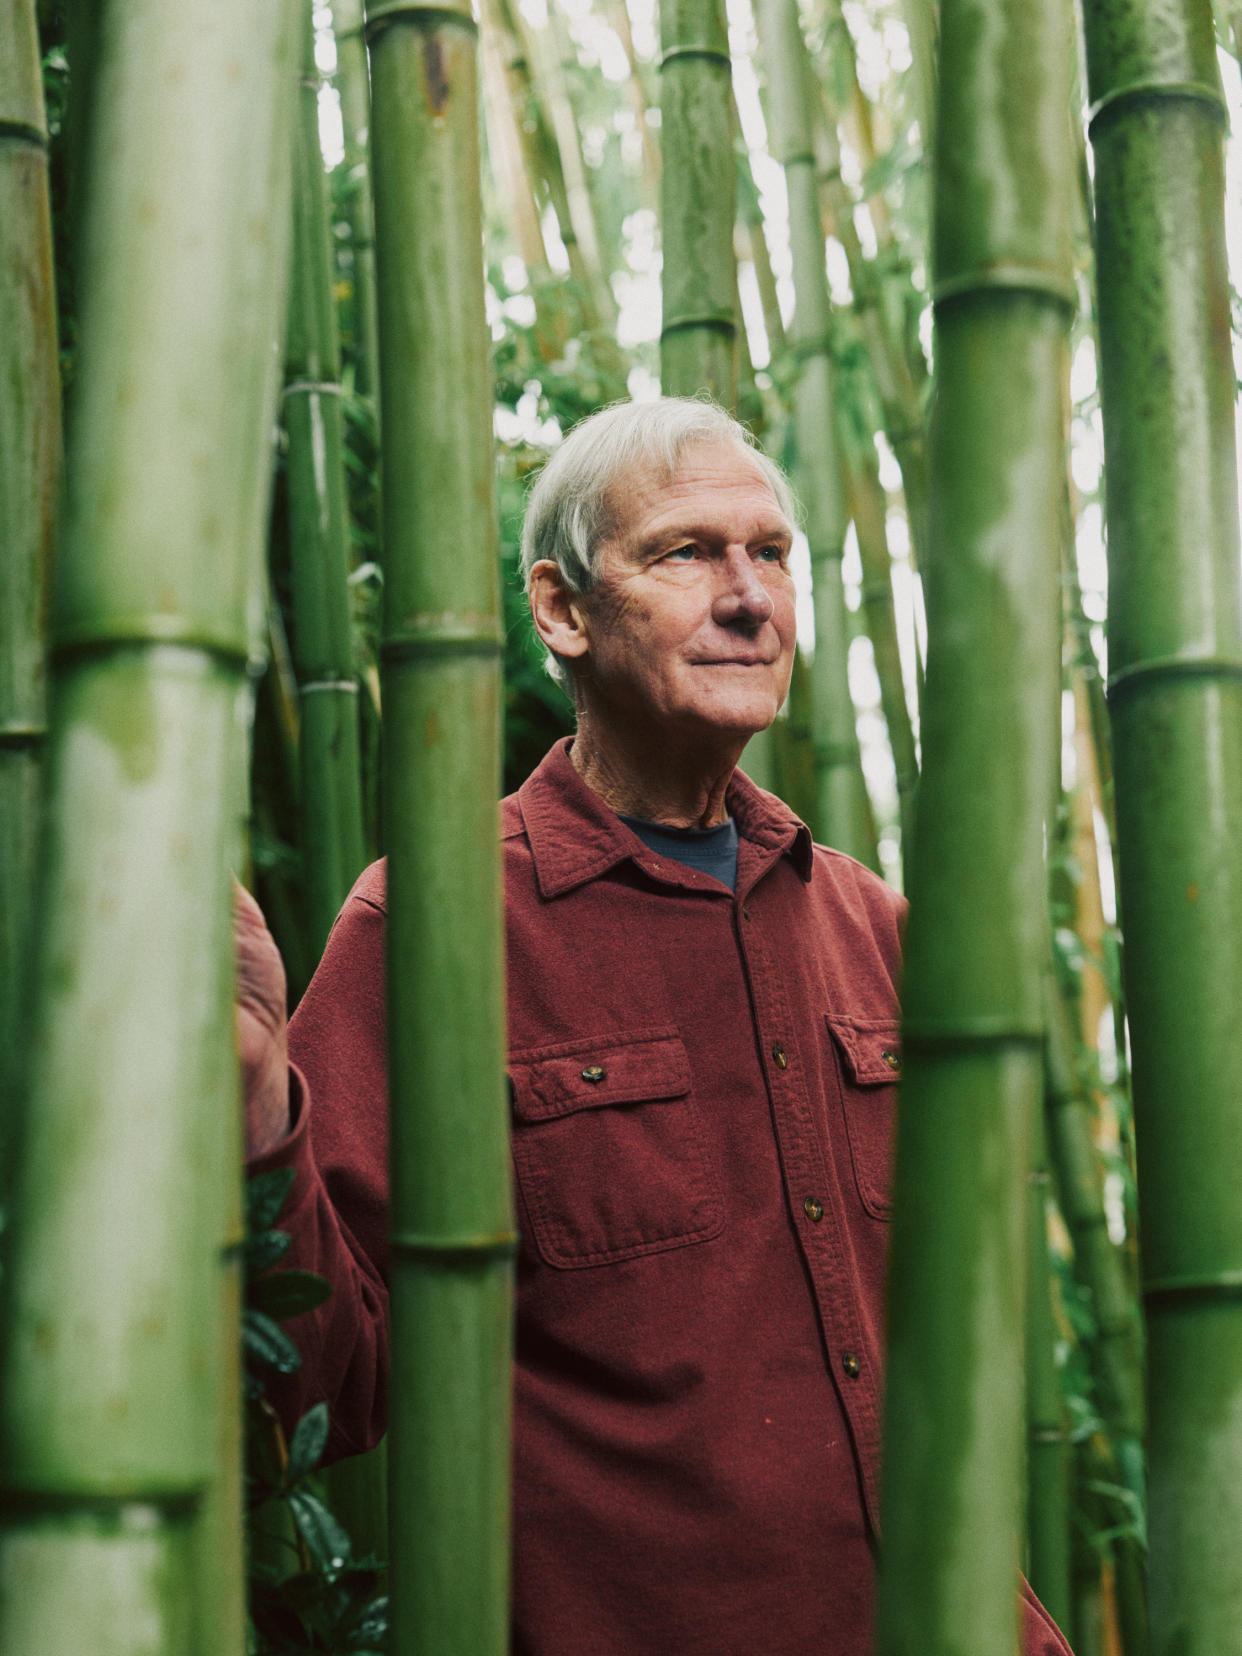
(851, 1365)
(814, 1209)
(778, 1052)
(594, 1072)
(745, 914)
(892, 1059)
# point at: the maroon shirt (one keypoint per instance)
(703, 1105)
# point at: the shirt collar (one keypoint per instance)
(575, 837)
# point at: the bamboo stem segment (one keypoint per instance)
(118, 1275)
(452, 1236)
(29, 472)
(973, 1072)
(1175, 701)
(843, 812)
(698, 338)
(331, 815)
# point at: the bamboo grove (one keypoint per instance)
(963, 269)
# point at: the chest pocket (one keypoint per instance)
(869, 1054)
(610, 1150)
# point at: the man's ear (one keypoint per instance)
(557, 612)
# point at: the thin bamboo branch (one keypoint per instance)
(353, 84)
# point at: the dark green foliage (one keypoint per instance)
(307, 1591)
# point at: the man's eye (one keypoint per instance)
(771, 554)
(680, 554)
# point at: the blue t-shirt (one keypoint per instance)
(710, 850)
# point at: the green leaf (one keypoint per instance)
(263, 1250)
(288, 1294)
(328, 1543)
(268, 1343)
(307, 1445)
(265, 1196)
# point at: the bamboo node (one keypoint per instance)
(1163, 1291)
(18, 733)
(1036, 280)
(306, 387)
(1152, 91)
(712, 54)
(718, 321)
(149, 632)
(1139, 673)
(471, 1246)
(347, 687)
(409, 11)
(22, 132)
(418, 643)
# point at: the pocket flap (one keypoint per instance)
(613, 1070)
(871, 1048)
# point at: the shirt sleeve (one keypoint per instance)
(336, 1212)
(1040, 1634)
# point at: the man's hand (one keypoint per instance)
(261, 1025)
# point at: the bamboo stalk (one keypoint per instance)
(506, 147)
(354, 87)
(920, 20)
(698, 336)
(110, 1423)
(973, 994)
(452, 1237)
(1175, 661)
(1048, 1441)
(319, 554)
(868, 507)
(30, 443)
(895, 383)
(843, 817)
(551, 52)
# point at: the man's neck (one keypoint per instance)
(659, 782)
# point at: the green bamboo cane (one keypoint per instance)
(868, 508)
(1048, 1443)
(352, 84)
(895, 382)
(452, 1236)
(974, 966)
(920, 19)
(1175, 661)
(1100, 1269)
(843, 817)
(331, 814)
(29, 472)
(118, 1279)
(698, 337)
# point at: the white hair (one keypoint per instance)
(570, 515)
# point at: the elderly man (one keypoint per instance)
(703, 1045)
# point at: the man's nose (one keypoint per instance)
(742, 598)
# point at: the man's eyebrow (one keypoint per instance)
(679, 534)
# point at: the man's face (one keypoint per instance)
(691, 620)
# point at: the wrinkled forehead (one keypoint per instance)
(637, 484)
